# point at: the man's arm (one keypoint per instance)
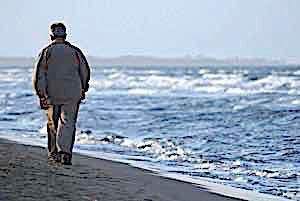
(39, 75)
(84, 70)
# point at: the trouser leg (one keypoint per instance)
(67, 127)
(53, 114)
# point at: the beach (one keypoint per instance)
(26, 175)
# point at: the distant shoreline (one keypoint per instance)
(141, 61)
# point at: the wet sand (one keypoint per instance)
(25, 174)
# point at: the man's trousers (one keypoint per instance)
(61, 128)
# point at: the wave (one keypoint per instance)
(239, 172)
(206, 82)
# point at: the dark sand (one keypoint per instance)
(25, 174)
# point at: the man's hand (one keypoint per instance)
(82, 94)
(44, 103)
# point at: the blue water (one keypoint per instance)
(239, 126)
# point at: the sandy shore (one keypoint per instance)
(25, 174)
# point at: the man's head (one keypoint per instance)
(58, 30)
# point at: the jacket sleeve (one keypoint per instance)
(84, 70)
(39, 78)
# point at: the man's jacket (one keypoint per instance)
(61, 73)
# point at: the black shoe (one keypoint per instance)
(66, 159)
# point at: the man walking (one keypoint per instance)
(61, 79)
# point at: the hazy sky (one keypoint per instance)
(217, 28)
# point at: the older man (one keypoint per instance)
(60, 78)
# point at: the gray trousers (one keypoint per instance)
(61, 128)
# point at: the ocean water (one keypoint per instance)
(238, 126)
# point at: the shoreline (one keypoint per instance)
(26, 175)
(102, 178)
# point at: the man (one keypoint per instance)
(61, 79)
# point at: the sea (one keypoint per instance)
(238, 126)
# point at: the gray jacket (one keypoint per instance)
(61, 73)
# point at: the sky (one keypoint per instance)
(163, 28)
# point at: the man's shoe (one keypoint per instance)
(66, 159)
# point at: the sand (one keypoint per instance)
(25, 174)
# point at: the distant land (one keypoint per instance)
(156, 61)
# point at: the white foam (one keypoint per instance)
(86, 139)
(272, 82)
(226, 190)
(140, 91)
(203, 71)
(210, 89)
(296, 102)
(297, 72)
(151, 83)
(43, 130)
(241, 179)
